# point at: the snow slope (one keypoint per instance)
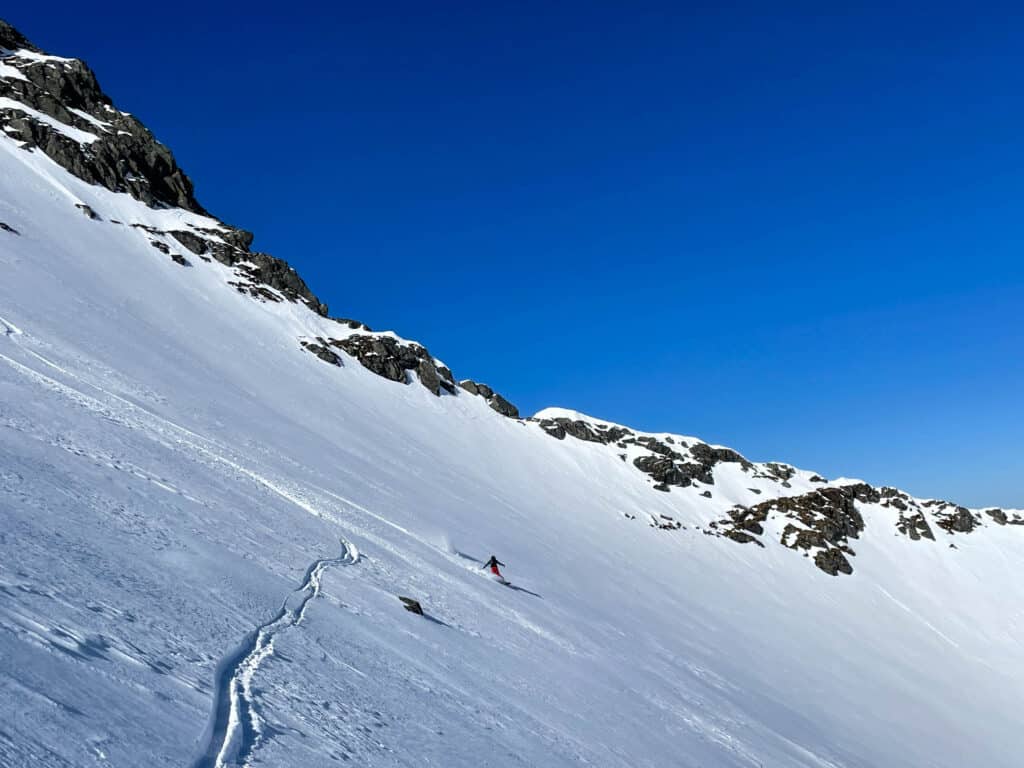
(206, 531)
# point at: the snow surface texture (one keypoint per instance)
(175, 475)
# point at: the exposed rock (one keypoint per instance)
(9, 228)
(777, 471)
(670, 471)
(582, 430)
(12, 39)
(496, 401)
(709, 456)
(321, 351)
(88, 211)
(355, 325)
(413, 606)
(998, 515)
(959, 521)
(741, 537)
(915, 526)
(388, 357)
(124, 157)
(823, 522)
(198, 245)
(833, 562)
(665, 522)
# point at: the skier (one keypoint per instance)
(493, 564)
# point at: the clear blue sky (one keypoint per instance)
(793, 233)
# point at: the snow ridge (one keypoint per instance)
(236, 728)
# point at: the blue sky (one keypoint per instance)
(796, 234)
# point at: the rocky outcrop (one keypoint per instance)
(496, 401)
(673, 470)
(666, 461)
(82, 131)
(389, 357)
(961, 520)
(583, 430)
(8, 228)
(124, 156)
(822, 523)
(320, 350)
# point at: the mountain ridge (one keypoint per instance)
(123, 156)
(209, 529)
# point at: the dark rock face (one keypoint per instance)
(411, 605)
(915, 526)
(125, 157)
(88, 211)
(823, 522)
(388, 357)
(496, 401)
(833, 562)
(667, 462)
(959, 521)
(8, 228)
(669, 470)
(321, 351)
(355, 325)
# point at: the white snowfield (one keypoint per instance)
(205, 531)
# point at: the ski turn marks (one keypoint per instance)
(236, 728)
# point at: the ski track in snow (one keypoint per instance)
(175, 436)
(9, 328)
(236, 729)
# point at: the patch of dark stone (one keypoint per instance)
(8, 228)
(828, 520)
(88, 211)
(665, 523)
(673, 470)
(392, 359)
(959, 521)
(915, 526)
(177, 258)
(581, 430)
(321, 351)
(1001, 518)
(198, 245)
(411, 605)
(496, 401)
(255, 290)
(126, 159)
(665, 465)
(355, 325)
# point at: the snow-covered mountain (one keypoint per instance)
(213, 495)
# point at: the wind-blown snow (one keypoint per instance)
(173, 463)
